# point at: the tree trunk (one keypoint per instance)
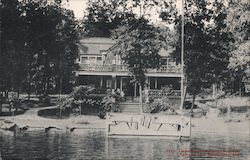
(228, 112)
(60, 91)
(240, 88)
(46, 87)
(60, 112)
(185, 96)
(140, 90)
(6, 94)
(1, 103)
(192, 107)
(29, 86)
(10, 106)
(18, 90)
(29, 94)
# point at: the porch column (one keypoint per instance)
(101, 82)
(149, 82)
(147, 88)
(214, 90)
(113, 81)
(167, 63)
(121, 84)
(77, 80)
(156, 83)
(135, 85)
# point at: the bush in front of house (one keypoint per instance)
(85, 100)
(158, 105)
(80, 97)
(109, 104)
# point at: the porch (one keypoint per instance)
(156, 87)
(169, 68)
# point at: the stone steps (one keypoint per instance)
(133, 108)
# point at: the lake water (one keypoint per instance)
(94, 144)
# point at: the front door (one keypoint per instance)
(127, 87)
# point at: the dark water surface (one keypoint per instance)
(94, 144)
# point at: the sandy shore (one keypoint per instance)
(31, 119)
(209, 124)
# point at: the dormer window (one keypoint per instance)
(91, 60)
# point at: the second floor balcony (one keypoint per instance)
(122, 68)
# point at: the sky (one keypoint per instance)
(78, 6)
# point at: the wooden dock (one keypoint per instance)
(148, 125)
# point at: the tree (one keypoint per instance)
(138, 43)
(239, 24)
(102, 16)
(238, 20)
(207, 44)
(12, 46)
(238, 67)
(39, 44)
(52, 40)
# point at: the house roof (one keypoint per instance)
(98, 40)
(94, 46)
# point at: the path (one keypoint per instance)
(30, 118)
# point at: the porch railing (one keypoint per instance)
(123, 68)
(161, 93)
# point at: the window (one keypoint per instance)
(92, 60)
(84, 60)
(99, 60)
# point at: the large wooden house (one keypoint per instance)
(100, 67)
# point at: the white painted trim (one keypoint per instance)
(127, 74)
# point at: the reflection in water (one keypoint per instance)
(90, 144)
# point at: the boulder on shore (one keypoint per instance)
(7, 125)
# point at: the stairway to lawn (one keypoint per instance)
(129, 107)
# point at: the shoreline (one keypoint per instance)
(210, 124)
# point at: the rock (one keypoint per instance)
(48, 128)
(8, 125)
(24, 128)
(212, 112)
(227, 121)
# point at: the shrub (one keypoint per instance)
(14, 101)
(78, 97)
(157, 105)
(109, 104)
(44, 99)
(188, 105)
(86, 96)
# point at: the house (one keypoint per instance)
(103, 69)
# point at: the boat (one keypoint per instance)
(119, 124)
